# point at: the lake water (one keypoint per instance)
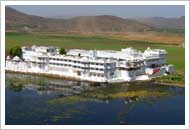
(38, 100)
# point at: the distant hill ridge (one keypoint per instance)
(18, 21)
(160, 22)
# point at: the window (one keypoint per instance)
(101, 69)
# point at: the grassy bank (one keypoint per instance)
(177, 79)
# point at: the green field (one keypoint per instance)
(176, 54)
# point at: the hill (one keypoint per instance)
(160, 23)
(104, 25)
(18, 21)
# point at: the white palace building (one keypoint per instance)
(92, 65)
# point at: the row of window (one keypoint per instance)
(97, 75)
(41, 58)
(128, 68)
(66, 60)
(58, 64)
(97, 69)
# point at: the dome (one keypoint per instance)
(16, 58)
(8, 58)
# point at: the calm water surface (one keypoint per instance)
(41, 100)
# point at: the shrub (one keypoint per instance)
(62, 51)
(15, 51)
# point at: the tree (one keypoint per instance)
(15, 51)
(62, 51)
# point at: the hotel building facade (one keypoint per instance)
(92, 65)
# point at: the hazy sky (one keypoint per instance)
(125, 11)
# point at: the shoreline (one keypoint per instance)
(50, 76)
(172, 84)
(79, 80)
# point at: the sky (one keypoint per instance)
(124, 11)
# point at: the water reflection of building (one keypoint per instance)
(45, 85)
(61, 88)
(130, 100)
(93, 65)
